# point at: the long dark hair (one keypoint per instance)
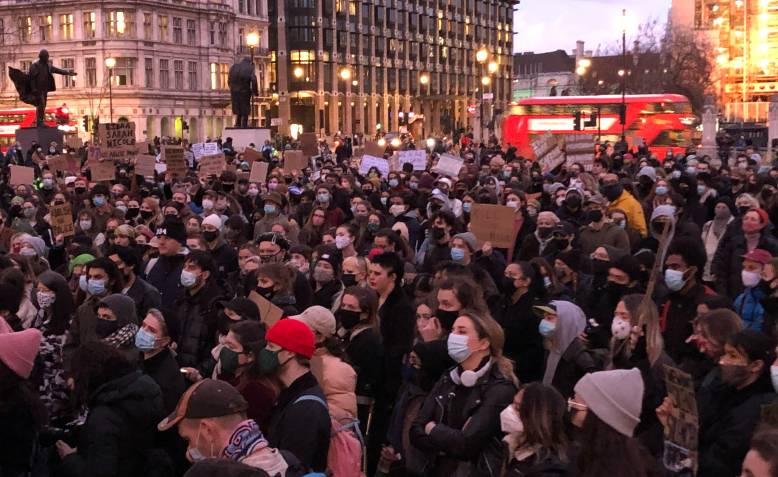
(251, 336)
(542, 411)
(94, 364)
(608, 452)
(17, 393)
(63, 307)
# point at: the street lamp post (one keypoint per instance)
(345, 75)
(252, 40)
(623, 115)
(481, 56)
(110, 63)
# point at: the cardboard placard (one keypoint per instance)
(368, 162)
(682, 423)
(417, 157)
(372, 148)
(449, 165)
(295, 160)
(201, 149)
(93, 154)
(65, 163)
(251, 155)
(144, 165)
(258, 172)
(309, 143)
(543, 144)
(142, 147)
(493, 223)
(21, 175)
(268, 312)
(103, 171)
(117, 135)
(212, 165)
(173, 157)
(73, 142)
(551, 160)
(61, 220)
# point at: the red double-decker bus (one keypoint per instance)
(661, 121)
(15, 118)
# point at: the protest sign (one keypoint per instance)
(493, 223)
(681, 432)
(251, 155)
(211, 148)
(369, 162)
(258, 171)
(212, 165)
(65, 163)
(372, 148)
(198, 150)
(21, 175)
(268, 312)
(117, 135)
(144, 165)
(449, 165)
(309, 144)
(543, 144)
(417, 157)
(295, 160)
(103, 170)
(579, 149)
(61, 220)
(552, 160)
(93, 154)
(73, 142)
(173, 157)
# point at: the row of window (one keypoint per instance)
(118, 24)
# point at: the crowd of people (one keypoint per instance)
(330, 321)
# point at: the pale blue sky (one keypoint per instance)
(547, 25)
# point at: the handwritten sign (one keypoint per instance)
(369, 162)
(416, 157)
(295, 160)
(144, 165)
(201, 149)
(493, 223)
(173, 157)
(251, 155)
(268, 312)
(543, 144)
(681, 433)
(21, 175)
(102, 171)
(309, 144)
(449, 165)
(552, 160)
(117, 135)
(373, 149)
(65, 163)
(93, 154)
(61, 219)
(258, 172)
(212, 165)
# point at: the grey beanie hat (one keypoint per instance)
(122, 306)
(615, 396)
(469, 239)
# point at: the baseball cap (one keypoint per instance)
(204, 399)
(759, 255)
(543, 310)
(319, 319)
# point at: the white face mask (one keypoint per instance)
(750, 279)
(774, 376)
(620, 328)
(510, 421)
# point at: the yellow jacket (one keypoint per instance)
(633, 210)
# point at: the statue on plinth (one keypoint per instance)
(34, 87)
(243, 84)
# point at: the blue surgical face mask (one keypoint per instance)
(123, 208)
(99, 201)
(393, 182)
(188, 279)
(270, 209)
(413, 185)
(145, 341)
(467, 206)
(701, 189)
(661, 190)
(82, 283)
(546, 328)
(95, 287)
(458, 348)
(675, 174)
(457, 254)
(763, 169)
(674, 279)
(323, 198)
(774, 376)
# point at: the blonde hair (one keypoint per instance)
(488, 329)
(643, 314)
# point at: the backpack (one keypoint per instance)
(344, 458)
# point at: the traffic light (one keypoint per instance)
(592, 122)
(85, 122)
(577, 121)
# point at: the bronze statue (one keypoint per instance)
(243, 83)
(34, 87)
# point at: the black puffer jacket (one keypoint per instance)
(467, 437)
(196, 324)
(120, 430)
(165, 276)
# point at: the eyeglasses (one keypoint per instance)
(573, 405)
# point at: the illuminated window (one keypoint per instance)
(44, 27)
(224, 75)
(89, 24)
(162, 25)
(120, 24)
(214, 76)
(352, 8)
(25, 29)
(66, 26)
(124, 72)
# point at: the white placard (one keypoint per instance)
(211, 148)
(371, 161)
(417, 157)
(449, 165)
(198, 150)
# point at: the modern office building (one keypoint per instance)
(169, 59)
(358, 66)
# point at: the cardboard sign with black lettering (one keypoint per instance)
(212, 165)
(258, 172)
(117, 135)
(73, 142)
(103, 170)
(493, 223)
(21, 175)
(295, 160)
(65, 163)
(173, 156)
(144, 165)
(61, 219)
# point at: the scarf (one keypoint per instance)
(244, 441)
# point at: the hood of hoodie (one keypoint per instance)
(571, 322)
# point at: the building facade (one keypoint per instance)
(172, 59)
(360, 66)
(544, 74)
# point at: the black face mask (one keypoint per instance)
(349, 279)
(573, 202)
(508, 286)
(545, 232)
(446, 318)
(616, 289)
(146, 214)
(743, 209)
(594, 215)
(438, 233)
(561, 243)
(600, 267)
(228, 187)
(105, 328)
(210, 235)
(266, 292)
(612, 191)
(132, 212)
(80, 190)
(348, 319)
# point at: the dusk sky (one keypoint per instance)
(547, 25)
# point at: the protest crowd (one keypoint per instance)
(350, 307)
